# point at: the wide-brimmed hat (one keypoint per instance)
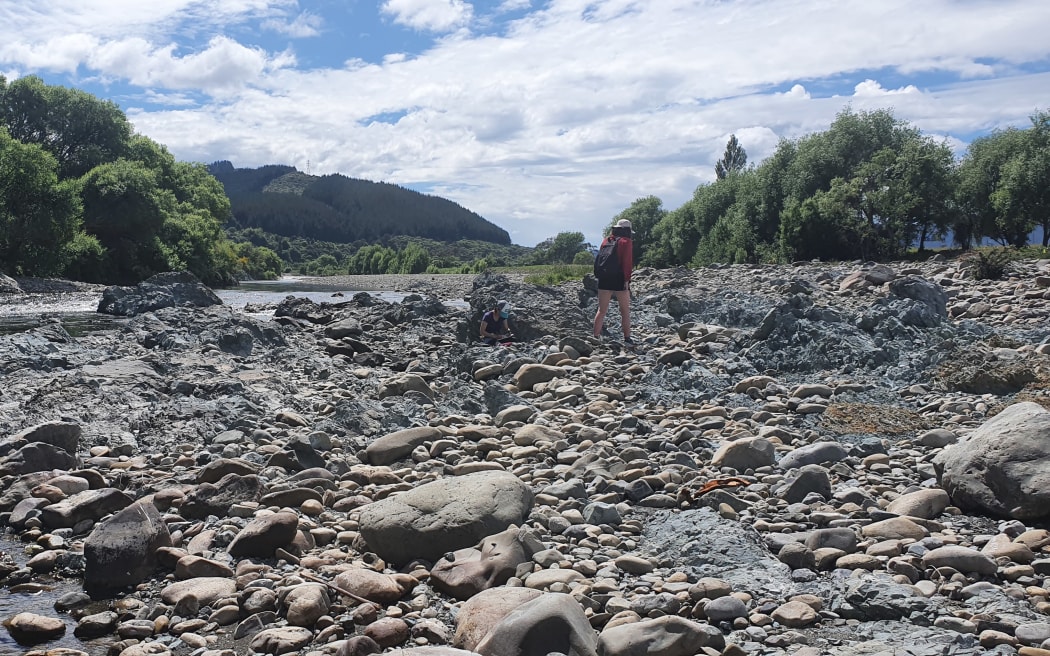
(623, 223)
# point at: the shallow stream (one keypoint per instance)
(40, 602)
(76, 310)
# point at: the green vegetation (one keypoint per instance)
(335, 208)
(553, 274)
(868, 188)
(84, 197)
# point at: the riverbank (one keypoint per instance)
(789, 463)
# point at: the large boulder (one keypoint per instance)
(1003, 467)
(172, 289)
(121, 551)
(445, 515)
(217, 498)
(264, 535)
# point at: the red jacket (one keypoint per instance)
(624, 253)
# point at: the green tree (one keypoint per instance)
(644, 214)
(38, 214)
(80, 130)
(980, 177)
(734, 158)
(560, 249)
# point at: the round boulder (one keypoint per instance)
(448, 514)
(1003, 468)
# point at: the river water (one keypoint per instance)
(77, 311)
(41, 602)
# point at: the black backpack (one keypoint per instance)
(606, 263)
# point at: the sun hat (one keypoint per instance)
(502, 305)
(623, 223)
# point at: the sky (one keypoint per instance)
(541, 116)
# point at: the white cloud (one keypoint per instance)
(872, 89)
(429, 15)
(555, 121)
(302, 26)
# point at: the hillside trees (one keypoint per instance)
(82, 196)
(869, 187)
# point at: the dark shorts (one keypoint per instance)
(612, 284)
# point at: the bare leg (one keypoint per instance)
(604, 296)
(624, 300)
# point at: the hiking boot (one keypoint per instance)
(628, 341)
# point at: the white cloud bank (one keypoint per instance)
(564, 117)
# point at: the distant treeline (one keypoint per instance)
(335, 208)
(870, 187)
(393, 254)
(84, 197)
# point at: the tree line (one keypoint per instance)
(870, 187)
(340, 209)
(83, 196)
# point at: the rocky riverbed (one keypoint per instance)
(812, 459)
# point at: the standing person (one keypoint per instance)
(495, 324)
(613, 267)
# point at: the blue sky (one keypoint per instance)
(542, 116)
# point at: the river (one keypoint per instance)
(76, 311)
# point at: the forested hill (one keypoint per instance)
(335, 208)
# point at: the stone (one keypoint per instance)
(533, 374)
(403, 384)
(89, 505)
(217, 499)
(662, 636)
(961, 559)
(466, 572)
(445, 515)
(394, 446)
(375, 586)
(206, 590)
(550, 623)
(813, 454)
(795, 614)
(264, 535)
(924, 504)
(305, 604)
(164, 290)
(30, 628)
(281, 640)
(725, 609)
(64, 435)
(122, 550)
(485, 610)
(800, 483)
(1003, 467)
(895, 528)
(388, 631)
(745, 453)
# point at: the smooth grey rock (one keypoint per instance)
(813, 454)
(445, 515)
(1003, 467)
(394, 446)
